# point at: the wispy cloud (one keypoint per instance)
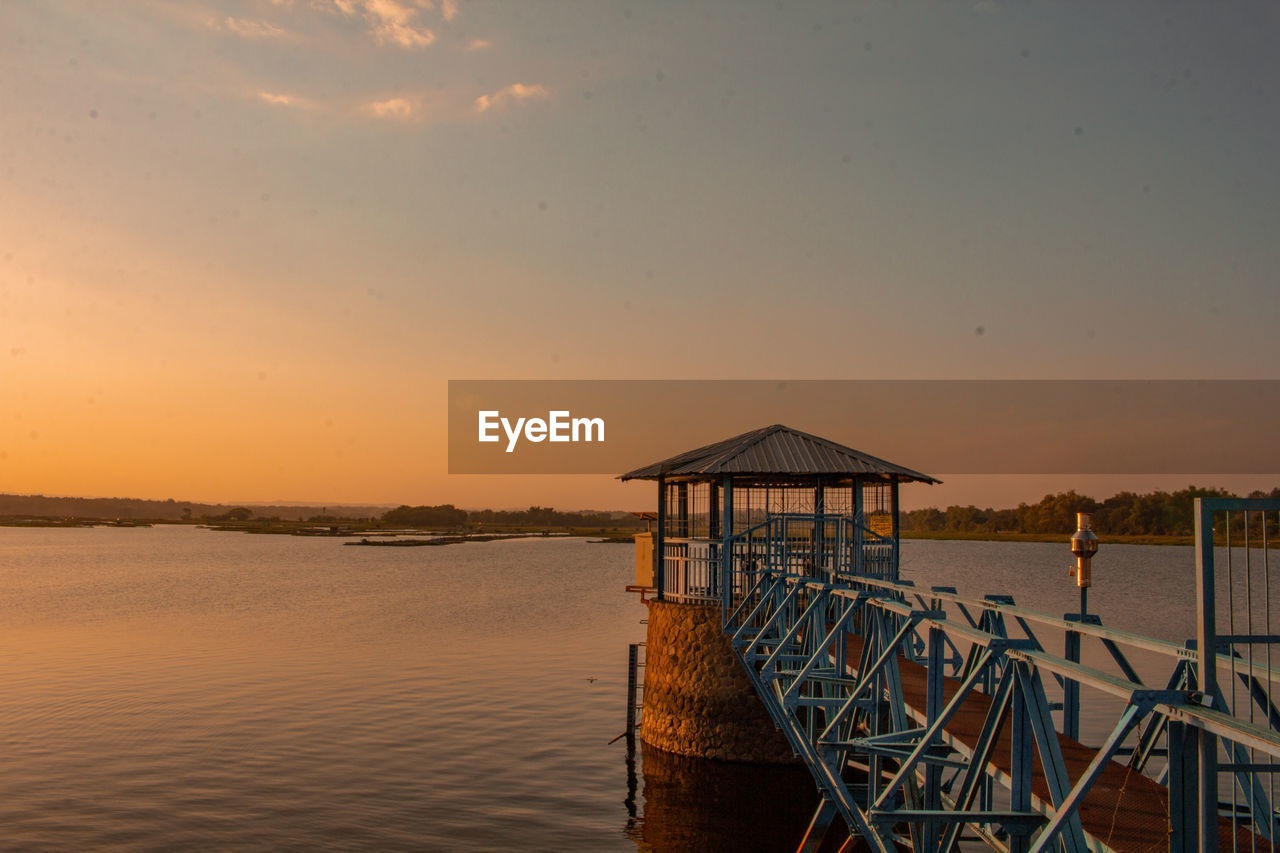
(514, 93)
(281, 99)
(392, 108)
(449, 9)
(390, 21)
(477, 44)
(251, 29)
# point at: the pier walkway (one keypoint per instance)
(1123, 810)
(926, 717)
(930, 720)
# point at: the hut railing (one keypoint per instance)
(691, 571)
(800, 545)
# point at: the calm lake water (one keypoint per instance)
(174, 687)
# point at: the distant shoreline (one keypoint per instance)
(344, 529)
(601, 534)
(1065, 540)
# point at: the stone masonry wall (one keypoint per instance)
(697, 699)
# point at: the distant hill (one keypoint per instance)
(43, 506)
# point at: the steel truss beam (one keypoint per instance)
(897, 777)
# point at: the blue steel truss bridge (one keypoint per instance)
(935, 721)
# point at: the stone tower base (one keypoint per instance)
(697, 699)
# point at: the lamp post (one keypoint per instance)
(1084, 544)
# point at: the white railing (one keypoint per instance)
(691, 571)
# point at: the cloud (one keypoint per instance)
(507, 94)
(393, 108)
(477, 44)
(249, 29)
(282, 100)
(389, 21)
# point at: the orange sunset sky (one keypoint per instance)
(244, 245)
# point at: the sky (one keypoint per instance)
(245, 245)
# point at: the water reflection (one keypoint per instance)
(691, 804)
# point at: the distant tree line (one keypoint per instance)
(1127, 513)
(447, 515)
(444, 515)
(46, 506)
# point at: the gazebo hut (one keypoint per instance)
(773, 496)
(774, 499)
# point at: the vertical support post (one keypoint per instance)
(1183, 808)
(632, 669)
(682, 509)
(1207, 647)
(893, 493)
(817, 539)
(713, 511)
(726, 551)
(1071, 687)
(715, 554)
(871, 649)
(660, 542)
(1022, 744)
(933, 707)
(859, 556)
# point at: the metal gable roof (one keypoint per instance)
(776, 450)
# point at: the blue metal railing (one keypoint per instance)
(869, 677)
(1237, 660)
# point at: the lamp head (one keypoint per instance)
(1084, 544)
